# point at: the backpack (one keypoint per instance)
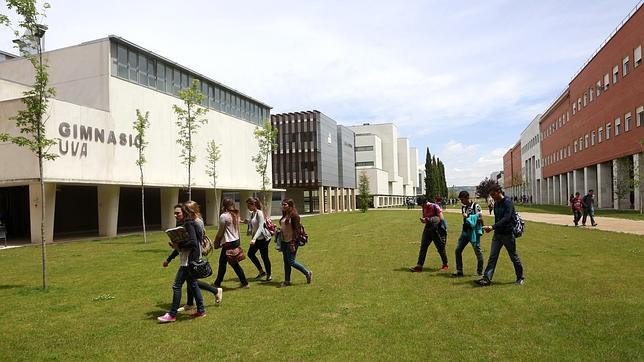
(302, 237)
(269, 226)
(519, 225)
(206, 244)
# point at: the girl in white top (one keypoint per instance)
(228, 238)
(261, 238)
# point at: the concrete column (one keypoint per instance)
(169, 198)
(604, 190)
(328, 200)
(343, 200)
(35, 211)
(321, 199)
(638, 164)
(337, 199)
(108, 209)
(243, 210)
(213, 202)
(557, 189)
(547, 194)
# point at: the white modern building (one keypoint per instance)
(530, 161)
(386, 161)
(93, 186)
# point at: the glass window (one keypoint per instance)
(618, 126)
(600, 134)
(637, 56)
(592, 138)
(615, 74)
(598, 88)
(579, 103)
(211, 96)
(627, 122)
(143, 70)
(152, 71)
(586, 143)
(574, 108)
(607, 131)
(576, 146)
(204, 91)
(161, 77)
(184, 80)
(585, 99)
(132, 60)
(640, 116)
(606, 82)
(590, 94)
(625, 69)
(176, 81)
(122, 61)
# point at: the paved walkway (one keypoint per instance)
(603, 223)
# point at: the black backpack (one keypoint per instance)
(519, 225)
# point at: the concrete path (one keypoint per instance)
(603, 223)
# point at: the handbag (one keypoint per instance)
(235, 255)
(200, 269)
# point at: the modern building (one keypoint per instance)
(531, 161)
(512, 178)
(386, 161)
(315, 162)
(592, 135)
(418, 173)
(93, 186)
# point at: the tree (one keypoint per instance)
(625, 182)
(266, 137)
(36, 100)
(363, 188)
(428, 175)
(189, 119)
(213, 154)
(483, 189)
(140, 125)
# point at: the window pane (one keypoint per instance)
(143, 70)
(132, 58)
(122, 61)
(161, 77)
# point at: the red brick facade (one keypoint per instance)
(512, 167)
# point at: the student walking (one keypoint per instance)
(228, 238)
(471, 233)
(589, 208)
(189, 250)
(289, 226)
(490, 204)
(503, 237)
(577, 205)
(435, 230)
(261, 238)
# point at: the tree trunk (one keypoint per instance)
(45, 283)
(145, 237)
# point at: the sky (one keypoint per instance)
(462, 78)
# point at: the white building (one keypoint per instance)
(386, 161)
(93, 186)
(530, 161)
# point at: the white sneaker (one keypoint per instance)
(185, 308)
(219, 295)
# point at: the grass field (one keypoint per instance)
(583, 300)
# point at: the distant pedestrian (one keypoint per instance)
(490, 204)
(589, 208)
(503, 237)
(577, 206)
(435, 230)
(470, 234)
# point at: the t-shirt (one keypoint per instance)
(472, 208)
(577, 204)
(231, 233)
(430, 210)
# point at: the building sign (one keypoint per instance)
(75, 138)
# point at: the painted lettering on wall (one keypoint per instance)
(75, 138)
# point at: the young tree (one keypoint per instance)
(625, 183)
(483, 189)
(213, 154)
(266, 137)
(36, 100)
(189, 119)
(140, 125)
(363, 191)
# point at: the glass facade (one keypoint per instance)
(145, 69)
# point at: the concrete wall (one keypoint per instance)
(346, 157)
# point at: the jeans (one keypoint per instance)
(202, 286)
(589, 212)
(262, 246)
(289, 261)
(499, 241)
(462, 243)
(430, 235)
(576, 216)
(183, 275)
(223, 260)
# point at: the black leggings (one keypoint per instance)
(223, 260)
(261, 245)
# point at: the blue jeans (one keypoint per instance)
(183, 275)
(462, 243)
(289, 261)
(499, 241)
(589, 212)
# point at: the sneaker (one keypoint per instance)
(245, 286)
(595, 224)
(198, 314)
(260, 275)
(444, 267)
(285, 284)
(269, 278)
(186, 308)
(309, 277)
(167, 318)
(483, 282)
(520, 281)
(416, 269)
(219, 295)
(457, 274)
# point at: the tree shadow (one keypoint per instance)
(11, 286)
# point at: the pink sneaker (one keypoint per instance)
(167, 318)
(198, 315)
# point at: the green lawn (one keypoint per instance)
(565, 210)
(583, 300)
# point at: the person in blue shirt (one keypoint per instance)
(503, 237)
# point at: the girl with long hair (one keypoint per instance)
(289, 225)
(228, 238)
(261, 239)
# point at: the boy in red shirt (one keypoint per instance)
(435, 230)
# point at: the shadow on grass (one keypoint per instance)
(11, 286)
(155, 251)
(408, 270)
